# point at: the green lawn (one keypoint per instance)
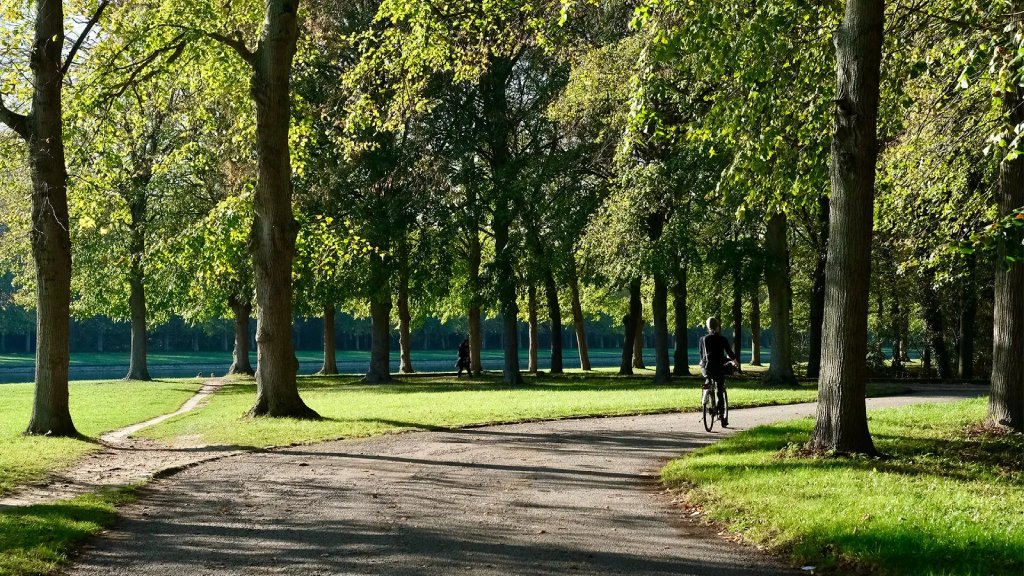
(351, 409)
(949, 500)
(96, 407)
(38, 539)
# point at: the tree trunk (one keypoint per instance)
(137, 369)
(1006, 400)
(380, 344)
(755, 325)
(897, 340)
(475, 332)
(497, 114)
(274, 229)
(817, 309)
(630, 322)
(682, 352)
(404, 317)
(555, 316)
(737, 318)
(659, 309)
(776, 276)
(638, 343)
(935, 325)
(330, 366)
(240, 364)
(531, 304)
(51, 242)
(968, 321)
(577, 318)
(841, 424)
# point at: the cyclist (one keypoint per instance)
(715, 356)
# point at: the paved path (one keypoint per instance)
(577, 496)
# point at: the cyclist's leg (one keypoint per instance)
(721, 396)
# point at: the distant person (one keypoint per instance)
(716, 356)
(463, 363)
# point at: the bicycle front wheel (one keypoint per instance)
(708, 405)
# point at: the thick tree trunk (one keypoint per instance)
(330, 366)
(659, 309)
(1006, 400)
(630, 322)
(51, 242)
(638, 343)
(817, 309)
(936, 327)
(737, 319)
(776, 276)
(498, 117)
(476, 340)
(682, 352)
(968, 321)
(531, 312)
(577, 318)
(841, 423)
(274, 229)
(404, 316)
(755, 325)
(475, 333)
(137, 368)
(242, 310)
(380, 344)
(555, 317)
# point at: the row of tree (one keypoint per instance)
(402, 159)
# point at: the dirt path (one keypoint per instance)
(577, 496)
(122, 460)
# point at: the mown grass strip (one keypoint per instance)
(949, 499)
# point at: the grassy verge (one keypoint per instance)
(96, 407)
(949, 500)
(38, 539)
(351, 409)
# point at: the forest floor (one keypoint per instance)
(571, 496)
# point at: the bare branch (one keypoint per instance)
(234, 41)
(81, 37)
(13, 120)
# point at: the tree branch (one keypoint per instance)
(13, 120)
(81, 37)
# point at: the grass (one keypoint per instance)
(351, 409)
(38, 539)
(949, 499)
(96, 407)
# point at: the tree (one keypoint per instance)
(841, 423)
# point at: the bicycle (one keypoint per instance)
(709, 404)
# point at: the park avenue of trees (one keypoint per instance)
(857, 164)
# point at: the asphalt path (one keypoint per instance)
(565, 497)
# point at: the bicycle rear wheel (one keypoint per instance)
(708, 405)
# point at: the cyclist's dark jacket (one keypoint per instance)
(714, 353)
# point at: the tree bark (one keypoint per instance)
(497, 114)
(755, 325)
(841, 424)
(380, 344)
(475, 333)
(137, 368)
(274, 229)
(1006, 400)
(404, 317)
(817, 309)
(240, 364)
(682, 352)
(330, 366)
(737, 318)
(555, 317)
(659, 309)
(531, 305)
(776, 275)
(638, 344)
(51, 242)
(577, 318)
(630, 322)
(968, 321)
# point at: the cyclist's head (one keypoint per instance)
(714, 326)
